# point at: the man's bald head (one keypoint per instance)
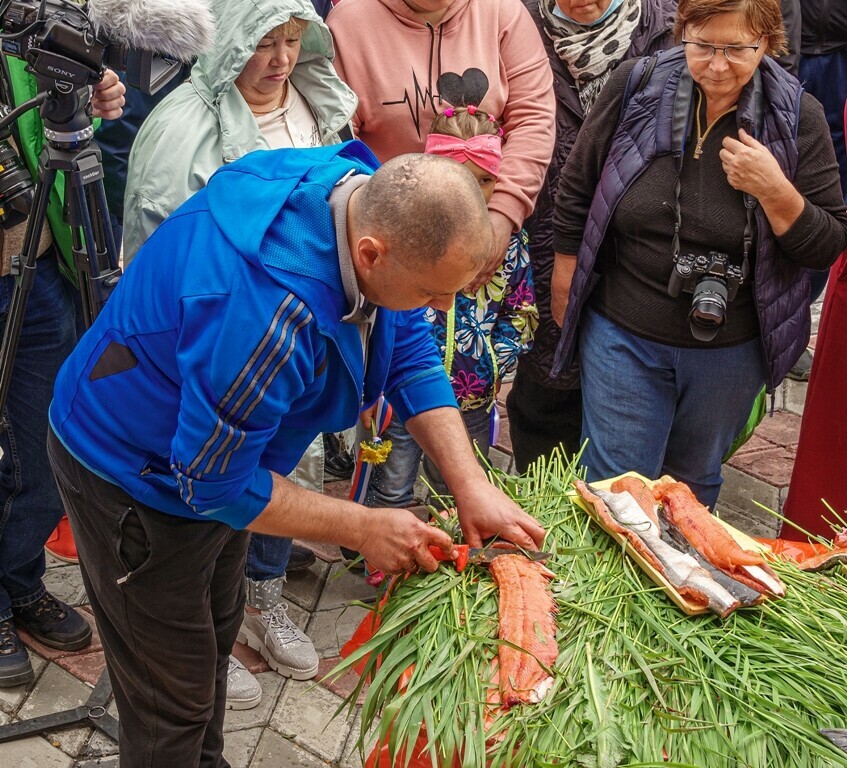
(422, 206)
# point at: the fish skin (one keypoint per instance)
(680, 569)
(745, 594)
(640, 492)
(613, 525)
(526, 610)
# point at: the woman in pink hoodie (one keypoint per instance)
(409, 59)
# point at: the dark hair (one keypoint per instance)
(464, 125)
(422, 205)
(763, 17)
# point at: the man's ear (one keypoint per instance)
(368, 253)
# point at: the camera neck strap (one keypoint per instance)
(680, 131)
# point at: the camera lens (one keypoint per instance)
(708, 308)
(16, 187)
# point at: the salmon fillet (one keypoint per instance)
(713, 541)
(640, 492)
(700, 527)
(611, 524)
(527, 622)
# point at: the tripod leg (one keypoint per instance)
(94, 249)
(23, 284)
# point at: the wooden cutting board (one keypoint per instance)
(692, 609)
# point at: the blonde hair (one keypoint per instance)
(463, 124)
(763, 17)
(293, 26)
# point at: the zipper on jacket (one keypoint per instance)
(701, 137)
(821, 30)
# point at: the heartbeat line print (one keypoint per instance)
(420, 98)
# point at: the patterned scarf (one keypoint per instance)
(590, 53)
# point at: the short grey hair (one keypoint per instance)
(422, 206)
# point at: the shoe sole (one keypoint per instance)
(239, 704)
(67, 645)
(248, 638)
(63, 558)
(21, 678)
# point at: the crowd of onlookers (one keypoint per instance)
(665, 202)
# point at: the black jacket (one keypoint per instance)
(654, 32)
(824, 27)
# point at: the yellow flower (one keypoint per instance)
(375, 451)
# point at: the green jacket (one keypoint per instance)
(206, 123)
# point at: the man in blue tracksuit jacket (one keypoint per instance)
(247, 324)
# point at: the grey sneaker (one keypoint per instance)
(280, 641)
(242, 689)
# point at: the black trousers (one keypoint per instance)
(541, 419)
(168, 595)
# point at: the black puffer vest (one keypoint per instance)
(781, 288)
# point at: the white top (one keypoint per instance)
(290, 125)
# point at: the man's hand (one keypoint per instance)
(107, 98)
(501, 229)
(394, 540)
(485, 511)
(564, 267)
(366, 417)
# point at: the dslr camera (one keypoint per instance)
(712, 282)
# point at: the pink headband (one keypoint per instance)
(486, 150)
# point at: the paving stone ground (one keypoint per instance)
(295, 725)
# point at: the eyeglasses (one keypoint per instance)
(735, 54)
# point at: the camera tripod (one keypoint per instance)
(68, 130)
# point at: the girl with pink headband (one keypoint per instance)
(484, 333)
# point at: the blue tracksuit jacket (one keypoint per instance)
(222, 354)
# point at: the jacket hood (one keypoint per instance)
(246, 197)
(412, 20)
(241, 24)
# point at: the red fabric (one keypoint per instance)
(819, 468)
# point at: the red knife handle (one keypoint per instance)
(460, 562)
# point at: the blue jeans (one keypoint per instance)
(392, 483)
(657, 409)
(30, 507)
(267, 556)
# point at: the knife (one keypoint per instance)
(484, 555)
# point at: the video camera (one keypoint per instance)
(59, 42)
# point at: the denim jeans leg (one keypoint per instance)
(628, 399)
(30, 507)
(656, 409)
(392, 483)
(267, 556)
(716, 391)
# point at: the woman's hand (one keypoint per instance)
(107, 98)
(564, 265)
(501, 228)
(751, 168)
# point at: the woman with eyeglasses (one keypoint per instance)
(701, 189)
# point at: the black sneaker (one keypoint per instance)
(300, 558)
(52, 622)
(15, 668)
